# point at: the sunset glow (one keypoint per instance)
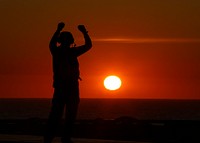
(153, 46)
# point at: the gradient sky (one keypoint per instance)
(154, 46)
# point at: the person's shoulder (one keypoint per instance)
(73, 49)
(56, 50)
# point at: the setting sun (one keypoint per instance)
(112, 82)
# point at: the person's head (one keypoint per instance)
(66, 38)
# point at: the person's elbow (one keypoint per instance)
(88, 46)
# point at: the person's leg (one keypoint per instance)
(70, 117)
(72, 102)
(54, 116)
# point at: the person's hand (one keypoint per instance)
(61, 25)
(82, 28)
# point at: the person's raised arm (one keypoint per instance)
(54, 39)
(88, 43)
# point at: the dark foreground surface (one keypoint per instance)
(120, 129)
(38, 139)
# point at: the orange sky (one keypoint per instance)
(154, 46)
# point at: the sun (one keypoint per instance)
(112, 82)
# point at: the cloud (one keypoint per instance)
(148, 40)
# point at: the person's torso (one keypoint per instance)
(65, 66)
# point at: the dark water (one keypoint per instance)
(106, 109)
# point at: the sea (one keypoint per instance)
(141, 109)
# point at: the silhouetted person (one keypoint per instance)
(65, 81)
